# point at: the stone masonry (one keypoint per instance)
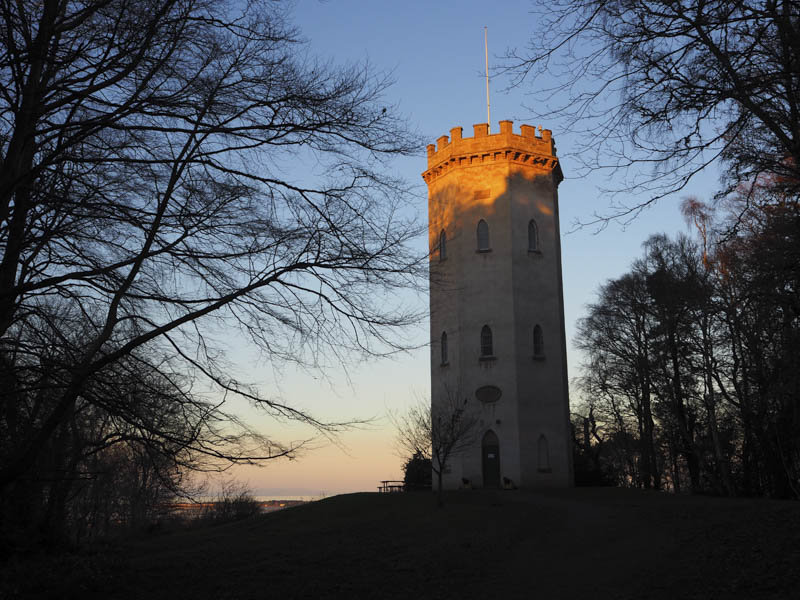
(495, 266)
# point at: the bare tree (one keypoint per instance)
(617, 339)
(413, 431)
(439, 433)
(170, 168)
(721, 331)
(758, 357)
(660, 90)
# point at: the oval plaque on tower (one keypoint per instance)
(488, 394)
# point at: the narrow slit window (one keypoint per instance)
(486, 341)
(533, 236)
(444, 348)
(538, 341)
(483, 235)
(442, 245)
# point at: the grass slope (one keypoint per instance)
(581, 543)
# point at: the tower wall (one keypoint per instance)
(506, 179)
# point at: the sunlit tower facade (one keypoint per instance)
(498, 346)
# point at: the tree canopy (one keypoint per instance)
(168, 169)
(691, 372)
(661, 90)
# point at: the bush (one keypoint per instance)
(589, 471)
(233, 503)
(418, 472)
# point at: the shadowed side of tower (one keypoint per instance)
(498, 345)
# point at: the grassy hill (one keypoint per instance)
(581, 543)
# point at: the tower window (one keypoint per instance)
(538, 342)
(442, 245)
(533, 237)
(486, 342)
(444, 348)
(483, 236)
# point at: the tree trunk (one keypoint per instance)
(709, 399)
(685, 425)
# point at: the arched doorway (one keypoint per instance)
(490, 451)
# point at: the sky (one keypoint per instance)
(435, 52)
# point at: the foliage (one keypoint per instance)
(418, 473)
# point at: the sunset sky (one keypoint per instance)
(436, 54)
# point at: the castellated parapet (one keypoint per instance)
(529, 147)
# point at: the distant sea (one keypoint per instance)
(268, 497)
(269, 503)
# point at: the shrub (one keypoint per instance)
(418, 471)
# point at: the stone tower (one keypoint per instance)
(498, 345)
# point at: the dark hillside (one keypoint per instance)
(582, 543)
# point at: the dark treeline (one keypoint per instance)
(117, 459)
(691, 380)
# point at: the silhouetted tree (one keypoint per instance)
(589, 450)
(234, 501)
(440, 432)
(418, 473)
(169, 168)
(759, 288)
(617, 337)
(723, 331)
(658, 90)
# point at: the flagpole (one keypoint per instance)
(486, 52)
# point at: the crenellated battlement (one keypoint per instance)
(527, 147)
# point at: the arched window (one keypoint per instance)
(544, 454)
(533, 237)
(538, 341)
(483, 235)
(444, 348)
(442, 245)
(486, 341)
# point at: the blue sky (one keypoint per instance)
(436, 55)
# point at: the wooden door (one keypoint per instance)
(490, 449)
